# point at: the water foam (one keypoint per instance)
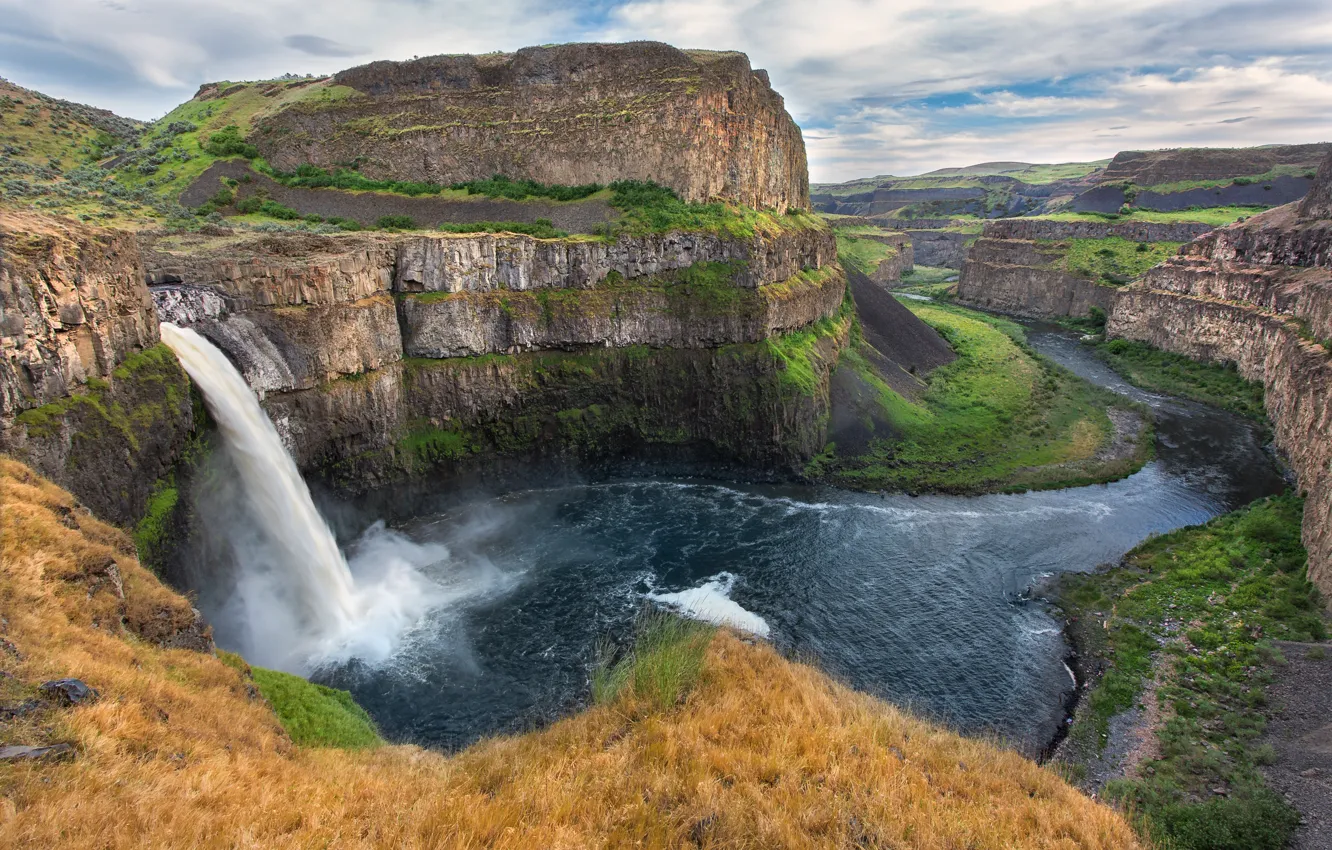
(711, 602)
(298, 604)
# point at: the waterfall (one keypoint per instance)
(298, 602)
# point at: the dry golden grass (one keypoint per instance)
(180, 752)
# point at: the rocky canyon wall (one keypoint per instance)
(382, 355)
(1015, 266)
(88, 396)
(1257, 294)
(702, 122)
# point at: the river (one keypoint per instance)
(919, 600)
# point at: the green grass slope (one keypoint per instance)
(999, 418)
(1182, 631)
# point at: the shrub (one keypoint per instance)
(664, 663)
(345, 223)
(228, 142)
(256, 204)
(500, 186)
(316, 716)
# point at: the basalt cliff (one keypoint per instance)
(1021, 266)
(383, 356)
(702, 122)
(1259, 295)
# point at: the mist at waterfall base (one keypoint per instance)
(922, 601)
(291, 600)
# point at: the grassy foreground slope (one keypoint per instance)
(180, 750)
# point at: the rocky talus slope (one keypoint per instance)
(1015, 266)
(1259, 294)
(703, 123)
(381, 355)
(87, 395)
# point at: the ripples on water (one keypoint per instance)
(918, 600)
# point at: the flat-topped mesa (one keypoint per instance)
(700, 122)
(1151, 168)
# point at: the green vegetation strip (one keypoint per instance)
(1196, 610)
(1111, 260)
(153, 366)
(1215, 216)
(1174, 374)
(1000, 417)
(928, 275)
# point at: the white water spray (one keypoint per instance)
(296, 595)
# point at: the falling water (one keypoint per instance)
(298, 599)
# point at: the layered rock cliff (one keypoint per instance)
(382, 355)
(1016, 265)
(1153, 168)
(87, 395)
(1257, 294)
(701, 122)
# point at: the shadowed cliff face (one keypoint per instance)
(701, 122)
(1257, 294)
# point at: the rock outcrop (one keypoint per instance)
(87, 395)
(939, 247)
(1014, 267)
(903, 259)
(701, 122)
(1259, 294)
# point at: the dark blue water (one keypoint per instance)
(917, 600)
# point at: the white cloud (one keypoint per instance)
(1005, 104)
(1137, 111)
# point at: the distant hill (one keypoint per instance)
(1165, 181)
(987, 190)
(52, 154)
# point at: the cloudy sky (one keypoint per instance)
(879, 86)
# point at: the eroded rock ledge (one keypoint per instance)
(88, 397)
